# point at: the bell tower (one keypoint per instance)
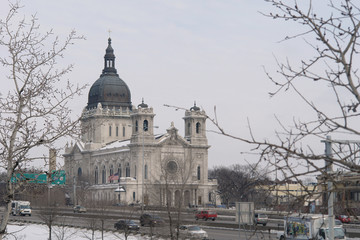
(195, 126)
(142, 120)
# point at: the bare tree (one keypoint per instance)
(240, 183)
(127, 213)
(102, 209)
(82, 189)
(49, 215)
(176, 178)
(62, 231)
(34, 111)
(92, 225)
(333, 67)
(331, 30)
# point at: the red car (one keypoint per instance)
(206, 215)
(343, 218)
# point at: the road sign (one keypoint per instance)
(57, 178)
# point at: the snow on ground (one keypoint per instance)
(27, 231)
(17, 231)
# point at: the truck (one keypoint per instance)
(206, 214)
(309, 226)
(21, 208)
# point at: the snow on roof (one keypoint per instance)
(116, 144)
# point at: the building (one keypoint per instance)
(120, 159)
(346, 191)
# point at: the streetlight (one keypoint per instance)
(120, 189)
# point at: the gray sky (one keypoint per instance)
(178, 52)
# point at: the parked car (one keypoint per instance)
(261, 218)
(343, 218)
(126, 225)
(206, 214)
(192, 231)
(151, 220)
(79, 209)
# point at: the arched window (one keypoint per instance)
(79, 172)
(127, 170)
(117, 131)
(198, 126)
(134, 196)
(110, 131)
(146, 171)
(111, 174)
(188, 128)
(119, 172)
(198, 173)
(210, 199)
(136, 126)
(96, 175)
(123, 131)
(146, 125)
(103, 177)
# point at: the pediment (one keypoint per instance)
(77, 148)
(173, 140)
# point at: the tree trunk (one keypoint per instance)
(5, 218)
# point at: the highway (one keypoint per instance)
(224, 228)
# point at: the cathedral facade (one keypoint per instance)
(120, 159)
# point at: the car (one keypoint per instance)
(261, 218)
(79, 209)
(338, 223)
(134, 205)
(206, 214)
(151, 220)
(343, 218)
(126, 225)
(192, 231)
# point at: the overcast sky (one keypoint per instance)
(177, 52)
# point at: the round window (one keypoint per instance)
(172, 167)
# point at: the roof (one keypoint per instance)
(109, 90)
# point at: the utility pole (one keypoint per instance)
(329, 171)
(353, 146)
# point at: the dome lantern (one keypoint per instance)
(109, 60)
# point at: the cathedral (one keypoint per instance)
(119, 159)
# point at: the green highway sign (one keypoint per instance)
(56, 178)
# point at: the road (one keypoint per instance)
(223, 228)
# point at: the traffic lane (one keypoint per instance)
(230, 234)
(352, 230)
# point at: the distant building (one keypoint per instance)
(346, 189)
(118, 150)
(289, 192)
